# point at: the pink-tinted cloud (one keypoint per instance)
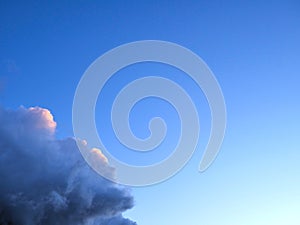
(46, 181)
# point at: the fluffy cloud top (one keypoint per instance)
(46, 181)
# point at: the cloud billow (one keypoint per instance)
(46, 181)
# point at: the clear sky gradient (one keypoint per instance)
(253, 49)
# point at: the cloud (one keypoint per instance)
(46, 181)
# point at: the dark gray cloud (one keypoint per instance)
(46, 181)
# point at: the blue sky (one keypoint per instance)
(253, 49)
